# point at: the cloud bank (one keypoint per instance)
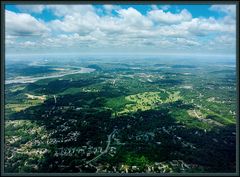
(109, 28)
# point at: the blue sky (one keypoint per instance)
(196, 10)
(170, 29)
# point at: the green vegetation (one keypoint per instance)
(22, 106)
(118, 103)
(31, 141)
(133, 117)
(144, 101)
(133, 159)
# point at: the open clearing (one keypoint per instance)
(147, 100)
(42, 98)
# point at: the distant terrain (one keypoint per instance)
(120, 116)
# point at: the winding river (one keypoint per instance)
(29, 79)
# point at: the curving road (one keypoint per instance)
(106, 149)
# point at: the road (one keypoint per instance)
(106, 149)
(55, 100)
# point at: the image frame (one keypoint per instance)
(3, 3)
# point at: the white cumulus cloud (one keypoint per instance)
(227, 9)
(31, 8)
(23, 24)
(87, 26)
(159, 16)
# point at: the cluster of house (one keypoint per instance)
(144, 137)
(33, 152)
(157, 167)
(83, 150)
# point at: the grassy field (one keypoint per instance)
(142, 101)
(182, 116)
(27, 101)
(118, 103)
(18, 88)
(17, 107)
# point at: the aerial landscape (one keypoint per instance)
(135, 107)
